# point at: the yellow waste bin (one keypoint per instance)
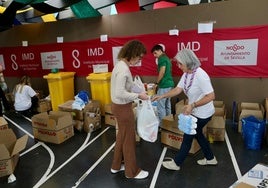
(100, 84)
(61, 87)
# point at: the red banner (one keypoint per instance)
(233, 52)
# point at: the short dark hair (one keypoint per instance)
(156, 48)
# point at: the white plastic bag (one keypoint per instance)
(138, 86)
(147, 122)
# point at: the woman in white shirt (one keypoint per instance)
(26, 99)
(122, 98)
(196, 85)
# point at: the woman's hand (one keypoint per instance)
(187, 109)
(157, 97)
(143, 96)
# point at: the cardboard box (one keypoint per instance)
(110, 119)
(172, 136)
(246, 109)
(255, 177)
(67, 107)
(44, 105)
(179, 106)
(10, 147)
(3, 124)
(219, 108)
(92, 121)
(216, 128)
(78, 125)
(54, 127)
(92, 116)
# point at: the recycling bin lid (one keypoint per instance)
(99, 76)
(59, 75)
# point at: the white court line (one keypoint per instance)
(157, 170)
(31, 148)
(29, 134)
(51, 164)
(93, 166)
(236, 167)
(69, 159)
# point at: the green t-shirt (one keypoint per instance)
(167, 80)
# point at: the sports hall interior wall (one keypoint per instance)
(226, 14)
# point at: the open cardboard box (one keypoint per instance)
(10, 147)
(54, 127)
(3, 124)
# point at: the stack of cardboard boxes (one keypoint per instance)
(87, 119)
(216, 126)
(245, 109)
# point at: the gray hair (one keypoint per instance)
(187, 57)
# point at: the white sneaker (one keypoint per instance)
(171, 165)
(122, 168)
(207, 162)
(142, 175)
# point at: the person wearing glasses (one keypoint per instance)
(122, 97)
(196, 85)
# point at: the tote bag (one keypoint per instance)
(147, 121)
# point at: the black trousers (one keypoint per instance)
(4, 102)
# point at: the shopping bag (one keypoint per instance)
(138, 86)
(187, 124)
(147, 121)
(253, 131)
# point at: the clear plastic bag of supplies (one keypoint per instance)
(187, 124)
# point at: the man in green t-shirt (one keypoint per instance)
(164, 80)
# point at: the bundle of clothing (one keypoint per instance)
(80, 100)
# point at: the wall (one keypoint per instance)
(226, 14)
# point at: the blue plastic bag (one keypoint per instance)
(253, 131)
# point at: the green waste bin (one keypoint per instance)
(61, 87)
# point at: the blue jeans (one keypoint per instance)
(163, 105)
(187, 143)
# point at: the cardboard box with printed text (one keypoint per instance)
(172, 136)
(54, 127)
(10, 146)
